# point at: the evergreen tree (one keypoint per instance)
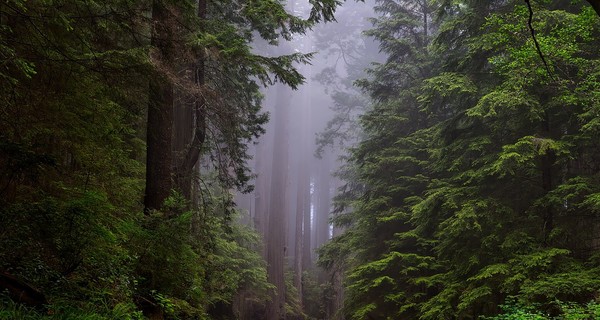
(469, 180)
(76, 81)
(380, 241)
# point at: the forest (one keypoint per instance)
(299, 160)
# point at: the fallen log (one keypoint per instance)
(20, 291)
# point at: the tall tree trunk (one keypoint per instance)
(303, 155)
(307, 226)
(323, 207)
(302, 206)
(338, 289)
(277, 209)
(336, 272)
(160, 113)
(263, 168)
(324, 199)
(190, 123)
(261, 191)
(292, 201)
(183, 129)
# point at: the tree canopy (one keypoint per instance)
(90, 90)
(471, 178)
(476, 177)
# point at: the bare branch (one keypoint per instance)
(537, 45)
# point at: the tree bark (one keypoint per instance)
(263, 167)
(190, 123)
(277, 209)
(261, 191)
(160, 114)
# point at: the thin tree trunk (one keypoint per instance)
(307, 227)
(301, 207)
(324, 200)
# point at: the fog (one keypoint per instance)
(309, 131)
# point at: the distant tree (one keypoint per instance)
(349, 53)
(278, 208)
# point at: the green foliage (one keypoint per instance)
(236, 265)
(84, 243)
(73, 99)
(10, 310)
(193, 270)
(513, 310)
(190, 262)
(476, 179)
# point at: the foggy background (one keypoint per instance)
(295, 161)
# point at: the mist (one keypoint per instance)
(297, 161)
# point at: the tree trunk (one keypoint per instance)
(190, 123)
(262, 167)
(183, 128)
(160, 114)
(307, 228)
(302, 206)
(324, 200)
(277, 208)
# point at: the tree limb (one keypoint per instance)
(537, 45)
